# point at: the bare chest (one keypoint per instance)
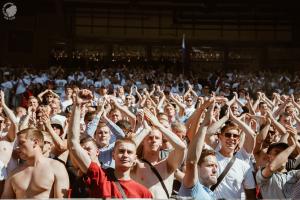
(148, 178)
(33, 182)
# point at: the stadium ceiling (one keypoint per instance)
(200, 11)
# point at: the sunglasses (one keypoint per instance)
(229, 135)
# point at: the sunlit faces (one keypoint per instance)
(263, 107)
(115, 116)
(229, 139)
(68, 91)
(169, 110)
(189, 101)
(33, 102)
(285, 119)
(235, 109)
(124, 155)
(102, 136)
(290, 110)
(91, 149)
(148, 103)
(207, 171)
(153, 141)
(25, 147)
(57, 129)
(272, 136)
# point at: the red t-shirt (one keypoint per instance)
(102, 186)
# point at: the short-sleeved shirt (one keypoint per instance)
(278, 185)
(102, 185)
(238, 178)
(198, 192)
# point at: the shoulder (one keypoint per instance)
(17, 170)
(56, 166)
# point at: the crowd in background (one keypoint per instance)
(146, 132)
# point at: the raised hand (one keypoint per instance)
(83, 96)
(151, 118)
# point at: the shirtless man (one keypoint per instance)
(142, 172)
(39, 177)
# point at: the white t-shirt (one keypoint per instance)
(60, 85)
(238, 178)
(65, 104)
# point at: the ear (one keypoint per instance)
(97, 152)
(35, 143)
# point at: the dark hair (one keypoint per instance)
(88, 139)
(279, 145)
(204, 154)
(230, 126)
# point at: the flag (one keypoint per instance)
(183, 42)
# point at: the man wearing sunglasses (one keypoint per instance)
(239, 178)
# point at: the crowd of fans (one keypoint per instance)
(131, 132)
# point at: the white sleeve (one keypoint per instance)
(249, 182)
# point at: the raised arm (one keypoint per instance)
(217, 125)
(80, 155)
(193, 122)
(249, 133)
(181, 105)
(195, 150)
(261, 136)
(9, 113)
(295, 103)
(176, 156)
(279, 160)
(28, 117)
(59, 143)
(139, 137)
(125, 111)
(279, 127)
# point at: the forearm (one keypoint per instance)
(278, 126)
(92, 126)
(181, 105)
(115, 129)
(261, 136)
(74, 132)
(281, 158)
(216, 126)
(10, 114)
(256, 104)
(193, 122)
(138, 138)
(175, 141)
(161, 102)
(58, 142)
(25, 123)
(196, 145)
